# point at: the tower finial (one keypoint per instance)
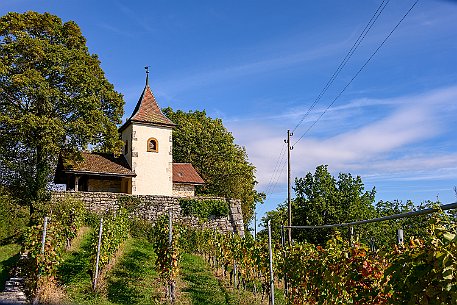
(147, 75)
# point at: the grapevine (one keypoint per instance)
(168, 254)
(65, 218)
(114, 233)
(423, 271)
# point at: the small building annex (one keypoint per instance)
(146, 166)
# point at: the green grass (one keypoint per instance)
(133, 279)
(202, 286)
(9, 255)
(75, 274)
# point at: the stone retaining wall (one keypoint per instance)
(152, 206)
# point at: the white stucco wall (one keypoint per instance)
(153, 169)
(127, 136)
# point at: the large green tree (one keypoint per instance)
(210, 147)
(324, 199)
(54, 96)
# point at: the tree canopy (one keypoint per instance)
(210, 147)
(323, 199)
(54, 96)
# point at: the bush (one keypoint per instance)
(204, 209)
(13, 218)
(129, 203)
(141, 228)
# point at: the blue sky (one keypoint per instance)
(259, 65)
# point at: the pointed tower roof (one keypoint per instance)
(147, 110)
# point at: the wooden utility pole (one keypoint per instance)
(289, 207)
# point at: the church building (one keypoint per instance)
(146, 166)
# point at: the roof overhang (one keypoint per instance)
(130, 121)
(77, 172)
(188, 183)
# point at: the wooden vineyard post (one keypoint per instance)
(400, 237)
(43, 238)
(283, 237)
(98, 253)
(170, 244)
(351, 235)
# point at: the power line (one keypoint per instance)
(358, 72)
(283, 167)
(276, 168)
(276, 174)
(348, 56)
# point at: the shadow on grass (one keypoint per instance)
(76, 268)
(203, 287)
(5, 267)
(131, 281)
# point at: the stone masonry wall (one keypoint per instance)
(183, 190)
(152, 206)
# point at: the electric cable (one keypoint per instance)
(348, 56)
(276, 168)
(358, 72)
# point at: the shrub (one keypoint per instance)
(129, 203)
(141, 228)
(13, 218)
(204, 209)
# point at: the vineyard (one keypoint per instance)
(418, 271)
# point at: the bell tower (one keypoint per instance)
(147, 137)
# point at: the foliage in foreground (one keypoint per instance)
(168, 253)
(422, 271)
(64, 219)
(13, 218)
(114, 232)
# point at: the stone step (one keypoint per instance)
(13, 289)
(13, 283)
(13, 298)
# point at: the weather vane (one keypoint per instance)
(147, 75)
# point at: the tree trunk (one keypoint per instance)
(41, 177)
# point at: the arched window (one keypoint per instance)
(153, 145)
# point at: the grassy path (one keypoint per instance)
(74, 272)
(133, 279)
(203, 287)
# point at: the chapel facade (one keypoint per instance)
(146, 166)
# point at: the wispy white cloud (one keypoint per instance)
(236, 70)
(116, 30)
(134, 17)
(377, 149)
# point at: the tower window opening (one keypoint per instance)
(153, 145)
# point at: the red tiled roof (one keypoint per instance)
(147, 110)
(186, 173)
(101, 164)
